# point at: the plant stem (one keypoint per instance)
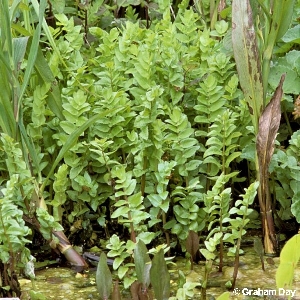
(236, 261)
(208, 267)
(143, 178)
(166, 232)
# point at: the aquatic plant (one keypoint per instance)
(289, 258)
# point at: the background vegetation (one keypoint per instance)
(127, 121)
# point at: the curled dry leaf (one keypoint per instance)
(269, 122)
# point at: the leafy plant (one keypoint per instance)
(209, 253)
(238, 225)
(140, 124)
(222, 143)
(189, 215)
(289, 259)
(253, 45)
(131, 207)
(285, 183)
(13, 237)
(121, 251)
(216, 204)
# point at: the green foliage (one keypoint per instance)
(59, 186)
(287, 64)
(289, 259)
(139, 123)
(13, 231)
(222, 143)
(286, 178)
(224, 296)
(47, 222)
(132, 158)
(129, 205)
(217, 203)
(188, 213)
(211, 245)
(187, 291)
(241, 211)
(120, 250)
(16, 165)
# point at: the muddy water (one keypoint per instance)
(62, 283)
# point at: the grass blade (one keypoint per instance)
(32, 54)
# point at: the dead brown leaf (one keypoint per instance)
(269, 122)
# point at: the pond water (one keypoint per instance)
(63, 283)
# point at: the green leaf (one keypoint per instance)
(32, 53)
(160, 277)
(130, 188)
(155, 199)
(59, 5)
(291, 84)
(224, 296)
(142, 263)
(292, 35)
(147, 237)
(214, 141)
(207, 254)
(135, 200)
(289, 258)
(121, 211)
(103, 278)
(117, 262)
(282, 15)
(19, 46)
(122, 270)
(231, 157)
(213, 150)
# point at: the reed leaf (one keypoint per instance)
(32, 54)
(47, 32)
(247, 58)
(45, 75)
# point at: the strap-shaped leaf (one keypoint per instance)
(45, 74)
(192, 244)
(32, 54)
(247, 57)
(160, 277)
(282, 16)
(142, 263)
(103, 278)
